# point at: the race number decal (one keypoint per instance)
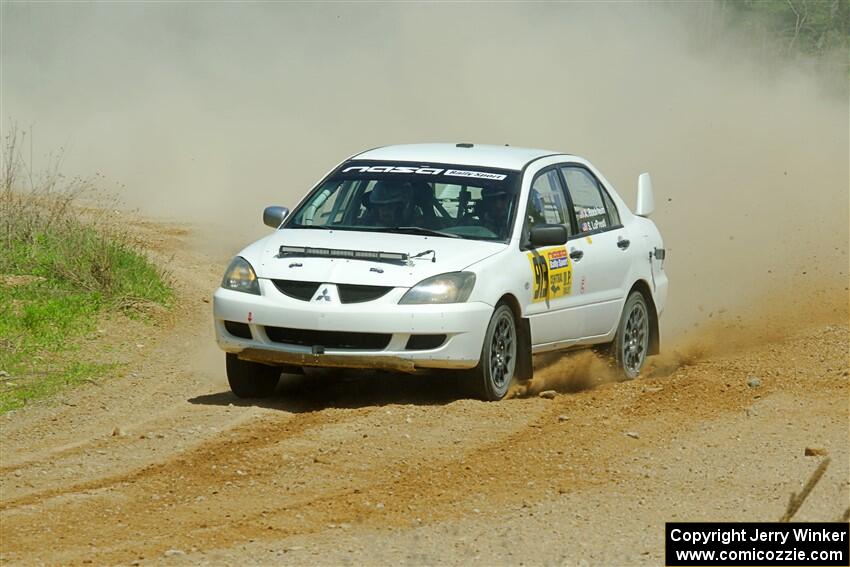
(541, 277)
(553, 274)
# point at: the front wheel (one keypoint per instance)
(251, 379)
(632, 340)
(492, 377)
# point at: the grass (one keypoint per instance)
(17, 395)
(61, 267)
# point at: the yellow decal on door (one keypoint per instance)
(553, 274)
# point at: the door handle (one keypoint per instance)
(623, 243)
(577, 255)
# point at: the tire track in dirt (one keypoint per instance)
(534, 459)
(247, 437)
(151, 496)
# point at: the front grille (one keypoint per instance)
(360, 293)
(424, 342)
(348, 293)
(329, 339)
(241, 330)
(298, 290)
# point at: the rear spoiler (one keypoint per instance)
(645, 199)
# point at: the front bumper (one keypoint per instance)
(464, 325)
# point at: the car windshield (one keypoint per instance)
(435, 199)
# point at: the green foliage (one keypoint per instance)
(86, 258)
(60, 267)
(813, 27)
(40, 322)
(14, 395)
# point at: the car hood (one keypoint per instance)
(449, 255)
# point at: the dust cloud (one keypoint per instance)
(573, 372)
(768, 319)
(208, 112)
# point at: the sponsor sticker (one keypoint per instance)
(587, 212)
(475, 174)
(424, 170)
(558, 259)
(587, 226)
(553, 274)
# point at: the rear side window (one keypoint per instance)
(593, 208)
(547, 202)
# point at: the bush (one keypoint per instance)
(61, 264)
(45, 233)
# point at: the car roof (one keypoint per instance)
(503, 157)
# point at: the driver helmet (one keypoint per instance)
(390, 193)
(495, 191)
(495, 200)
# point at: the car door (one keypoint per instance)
(551, 283)
(600, 251)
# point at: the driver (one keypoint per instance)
(389, 201)
(495, 208)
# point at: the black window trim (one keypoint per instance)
(603, 193)
(524, 243)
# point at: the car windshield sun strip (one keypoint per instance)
(310, 252)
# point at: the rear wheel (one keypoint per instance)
(632, 340)
(251, 379)
(492, 377)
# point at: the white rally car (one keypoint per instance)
(445, 256)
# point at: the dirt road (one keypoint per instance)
(161, 464)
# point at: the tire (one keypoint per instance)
(251, 379)
(492, 377)
(631, 343)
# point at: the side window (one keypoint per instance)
(593, 207)
(613, 215)
(547, 203)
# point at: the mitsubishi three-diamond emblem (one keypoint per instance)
(323, 296)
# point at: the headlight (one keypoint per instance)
(240, 276)
(453, 287)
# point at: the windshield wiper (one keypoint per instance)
(419, 230)
(311, 226)
(338, 227)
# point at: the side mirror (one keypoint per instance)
(273, 216)
(548, 235)
(645, 200)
